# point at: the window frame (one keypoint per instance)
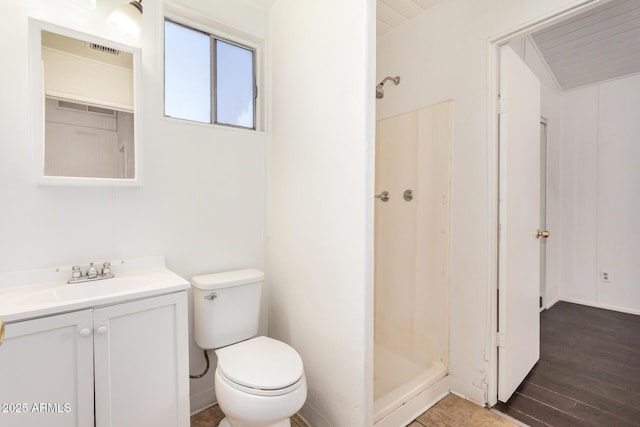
(213, 37)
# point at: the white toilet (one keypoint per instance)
(259, 382)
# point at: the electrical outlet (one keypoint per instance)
(605, 276)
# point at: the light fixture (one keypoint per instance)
(127, 18)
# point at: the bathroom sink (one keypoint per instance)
(87, 290)
(49, 293)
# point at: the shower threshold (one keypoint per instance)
(398, 381)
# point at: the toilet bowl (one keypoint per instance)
(260, 381)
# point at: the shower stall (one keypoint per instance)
(411, 258)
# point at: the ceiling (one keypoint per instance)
(391, 14)
(600, 44)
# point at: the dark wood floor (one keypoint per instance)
(588, 373)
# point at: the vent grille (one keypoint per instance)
(66, 105)
(104, 49)
(101, 110)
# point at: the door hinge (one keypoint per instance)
(502, 106)
(500, 339)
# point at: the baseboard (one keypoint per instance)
(312, 417)
(603, 306)
(468, 391)
(552, 303)
(202, 400)
(303, 419)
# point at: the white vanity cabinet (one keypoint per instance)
(46, 372)
(141, 363)
(132, 355)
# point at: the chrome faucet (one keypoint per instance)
(92, 273)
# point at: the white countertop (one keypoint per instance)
(45, 292)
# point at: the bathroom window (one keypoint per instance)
(208, 79)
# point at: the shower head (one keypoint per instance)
(380, 91)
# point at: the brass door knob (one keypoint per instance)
(544, 234)
(1, 331)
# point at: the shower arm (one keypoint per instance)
(380, 91)
(395, 80)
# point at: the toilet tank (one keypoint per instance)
(226, 307)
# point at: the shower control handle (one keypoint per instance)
(384, 196)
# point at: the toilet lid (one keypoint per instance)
(260, 363)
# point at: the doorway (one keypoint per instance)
(590, 160)
(519, 222)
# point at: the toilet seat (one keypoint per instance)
(258, 391)
(261, 366)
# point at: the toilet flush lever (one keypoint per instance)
(211, 296)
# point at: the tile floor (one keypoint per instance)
(211, 417)
(452, 411)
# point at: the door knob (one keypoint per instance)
(384, 196)
(102, 330)
(85, 332)
(544, 234)
(1, 331)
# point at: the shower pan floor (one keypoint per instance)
(391, 370)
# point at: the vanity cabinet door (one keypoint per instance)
(46, 372)
(141, 363)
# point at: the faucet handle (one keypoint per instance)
(106, 268)
(92, 272)
(76, 272)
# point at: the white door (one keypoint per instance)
(519, 247)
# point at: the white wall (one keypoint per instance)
(600, 198)
(202, 203)
(320, 200)
(441, 55)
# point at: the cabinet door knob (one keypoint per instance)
(85, 332)
(102, 330)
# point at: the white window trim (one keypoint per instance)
(190, 18)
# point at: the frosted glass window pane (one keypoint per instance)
(187, 73)
(234, 85)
